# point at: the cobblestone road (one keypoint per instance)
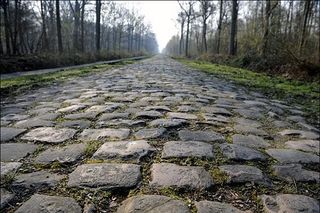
(155, 136)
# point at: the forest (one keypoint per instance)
(277, 37)
(49, 33)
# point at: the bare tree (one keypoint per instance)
(181, 19)
(206, 10)
(233, 28)
(219, 26)
(60, 47)
(306, 12)
(98, 18)
(187, 8)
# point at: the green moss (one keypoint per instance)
(6, 180)
(170, 192)
(219, 177)
(92, 147)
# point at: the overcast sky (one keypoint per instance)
(161, 15)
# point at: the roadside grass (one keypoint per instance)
(16, 85)
(304, 94)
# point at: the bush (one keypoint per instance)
(44, 61)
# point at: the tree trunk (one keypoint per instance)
(1, 48)
(44, 27)
(5, 6)
(82, 24)
(233, 29)
(265, 39)
(305, 18)
(76, 26)
(98, 17)
(204, 36)
(15, 32)
(181, 37)
(60, 47)
(219, 26)
(187, 37)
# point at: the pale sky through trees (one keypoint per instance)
(161, 15)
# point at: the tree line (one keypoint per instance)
(253, 30)
(72, 27)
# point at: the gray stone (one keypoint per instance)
(181, 115)
(289, 203)
(110, 116)
(49, 135)
(105, 175)
(8, 167)
(186, 108)
(251, 114)
(103, 108)
(71, 108)
(148, 114)
(53, 204)
(14, 117)
(281, 124)
(4, 123)
(153, 204)
(167, 123)
(217, 110)
(300, 133)
(81, 115)
(48, 116)
(243, 174)
(76, 124)
(247, 122)
(120, 123)
(36, 180)
(97, 134)
(296, 118)
(5, 197)
(66, 154)
(124, 150)
(250, 141)
(8, 133)
(304, 145)
(295, 172)
(41, 111)
(158, 108)
(206, 206)
(215, 118)
(172, 175)
(249, 130)
(206, 136)
(180, 149)
(173, 99)
(149, 133)
(238, 152)
(16, 151)
(292, 156)
(308, 127)
(33, 122)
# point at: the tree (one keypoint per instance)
(187, 8)
(206, 10)
(59, 37)
(98, 18)
(219, 26)
(181, 19)
(45, 42)
(307, 8)
(268, 15)
(233, 28)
